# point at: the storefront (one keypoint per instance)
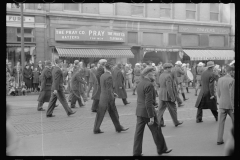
(89, 44)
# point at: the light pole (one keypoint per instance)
(22, 38)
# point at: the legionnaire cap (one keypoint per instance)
(76, 62)
(184, 64)
(210, 64)
(102, 61)
(167, 65)
(147, 70)
(153, 64)
(200, 64)
(48, 63)
(137, 64)
(178, 63)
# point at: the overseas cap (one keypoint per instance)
(102, 61)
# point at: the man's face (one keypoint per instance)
(151, 75)
(60, 64)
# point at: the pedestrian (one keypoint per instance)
(129, 76)
(194, 72)
(207, 98)
(137, 76)
(168, 94)
(107, 101)
(74, 70)
(92, 77)
(45, 87)
(57, 91)
(32, 69)
(35, 80)
(224, 87)
(146, 114)
(185, 77)
(97, 86)
(199, 72)
(27, 75)
(118, 84)
(17, 73)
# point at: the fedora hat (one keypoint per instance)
(210, 64)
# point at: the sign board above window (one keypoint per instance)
(13, 18)
(210, 30)
(89, 34)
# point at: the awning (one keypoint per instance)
(91, 53)
(210, 54)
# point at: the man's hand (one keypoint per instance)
(55, 92)
(151, 121)
(211, 97)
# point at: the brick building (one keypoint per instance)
(125, 32)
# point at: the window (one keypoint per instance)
(28, 35)
(71, 6)
(137, 10)
(132, 37)
(189, 40)
(14, 6)
(172, 39)
(214, 12)
(165, 10)
(106, 8)
(191, 10)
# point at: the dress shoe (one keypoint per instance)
(180, 105)
(73, 106)
(199, 121)
(167, 151)
(127, 103)
(71, 113)
(163, 125)
(123, 129)
(195, 94)
(138, 154)
(50, 115)
(216, 118)
(185, 99)
(41, 109)
(98, 132)
(94, 110)
(219, 143)
(133, 94)
(179, 123)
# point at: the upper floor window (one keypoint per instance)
(28, 35)
(106, 8)
(191, 10)
(165, 10)
(14, 6)
(214, 12)
(137, 10)
(71, 6)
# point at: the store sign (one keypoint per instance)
(13, 18)
(210, 30)
(161, 49)
(89, 34)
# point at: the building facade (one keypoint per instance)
(128, 32)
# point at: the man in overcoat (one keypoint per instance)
(146, 114)
(224, 88)
(137, 76)
(199, 72)
(45, 89)
(118, 84)
(57, 91)
(167, 95)
(107, 102)
(97, 87)
(75, 69)
(92, 77)
(207, 98)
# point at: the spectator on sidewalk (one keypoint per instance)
(27, 77)
(35, 80)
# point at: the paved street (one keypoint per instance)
(73, 136)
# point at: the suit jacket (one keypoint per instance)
(57, 78)
(167, 90)
(223, 90)
(145, 101)
(77, 81)
(176, 74)
(118, 81)
(97, 91)
(46, 79)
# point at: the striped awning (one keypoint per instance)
(210, 54)
(94, 53)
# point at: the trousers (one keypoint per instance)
(171, 108)
(200, 113)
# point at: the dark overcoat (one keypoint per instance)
(97, 87)
(35, 77)
(46, 83)
(27, 74)
(77, 82)
(93, 80)
(118, 81)
(207, 90)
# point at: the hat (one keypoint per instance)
(76, 62)
(167, 65)
(147, 70)
(153, 64)
(48, 63)
(217, 67)
(200, 64)
(102, 61)
(178, 63)
(210, 64)
(184, 64)
(108, 65)
(137, 64)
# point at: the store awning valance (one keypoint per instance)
(91, 53)
(210, 54)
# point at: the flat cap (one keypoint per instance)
(167, 65)
(147, 70)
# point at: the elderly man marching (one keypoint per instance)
(137, 76)
(167, 95)
(200, 70)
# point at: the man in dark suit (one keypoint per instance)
(167, 95)
(77, 89)
(145, 112)
(45, 90)
(207, 98)
(107, 102)
(118, 84)
(93, 72)
(57, 88)
(97, 87)
(75, 69)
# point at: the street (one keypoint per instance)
(73, 135)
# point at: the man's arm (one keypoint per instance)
(148, 91)
(169, 84)
(211, 85)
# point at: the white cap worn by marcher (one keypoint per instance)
(178, 63)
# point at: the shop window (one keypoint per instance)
(172, 39)
(191, 10)
(190, 40)
(214, 12)
(71, 6)
(137, 10)
(165, 10)
(132, 37)
(216, 41)
(28, 35)
(106, 8)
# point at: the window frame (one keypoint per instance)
(113, 5)
(24, 6)
(215, 12)
(171, 8)
(141, 5)
(196, 12)
(32, 33)
(79, 8)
